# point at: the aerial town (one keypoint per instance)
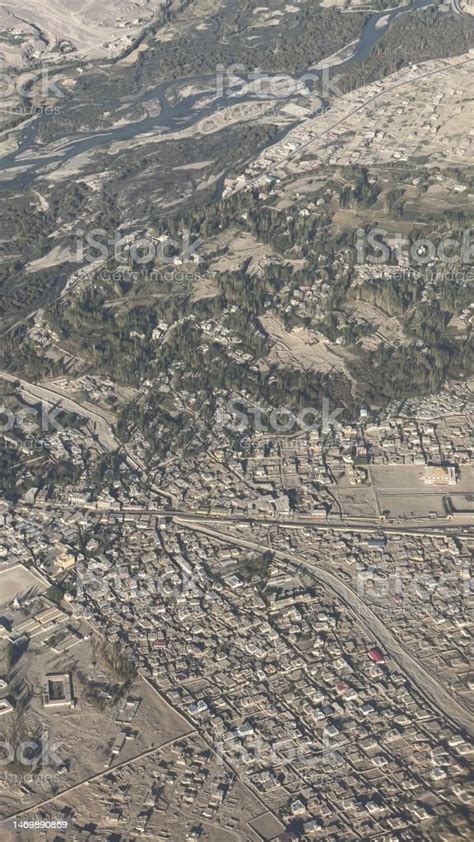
(228, 609)
(236, 420)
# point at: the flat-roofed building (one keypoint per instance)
(57, 690)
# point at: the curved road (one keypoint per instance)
(437, 696)
(101, 419)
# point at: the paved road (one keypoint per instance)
(434, 693)
(52, 396)
(367, 527)
(298, 152)
(447, 530)
(100, 419)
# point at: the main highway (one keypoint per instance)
(102, 420)
(436, 696)
(212, 524)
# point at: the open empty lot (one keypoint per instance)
(17, 580)
(401, 489)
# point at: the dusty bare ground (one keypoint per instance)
(237, 246)
(385, 328)
(301, 348)
(94, 27)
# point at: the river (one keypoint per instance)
(171, 118)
